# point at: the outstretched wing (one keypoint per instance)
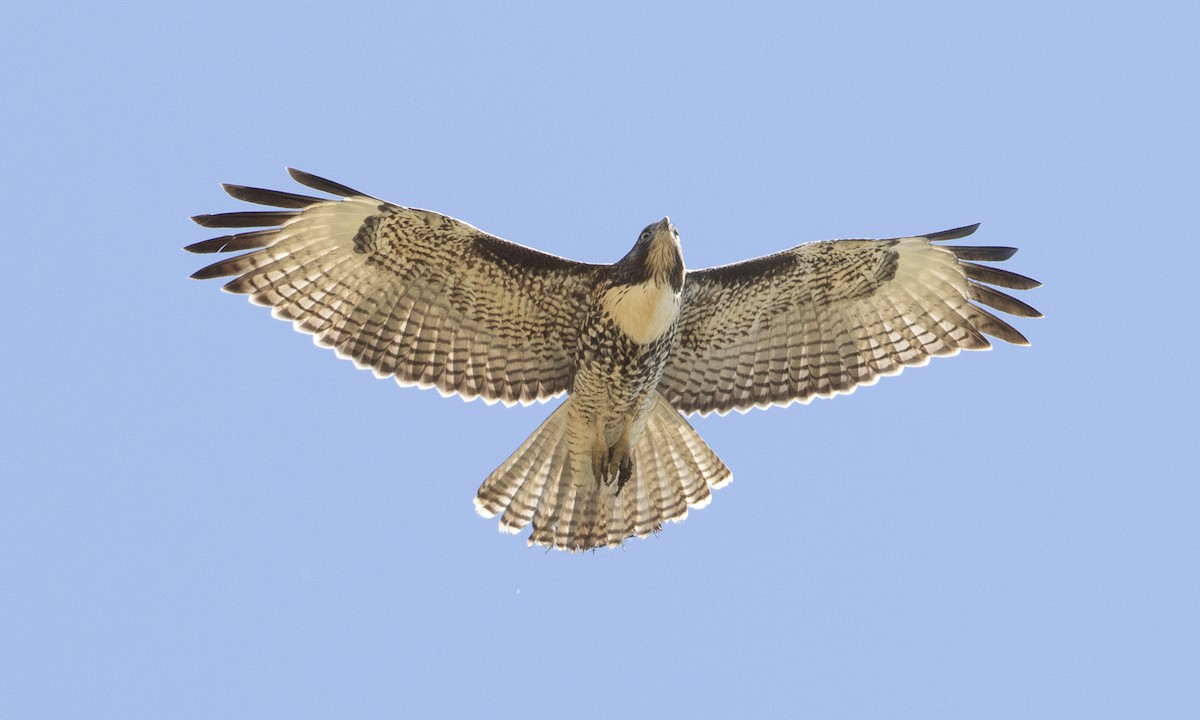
(408, 293)
(825, 317)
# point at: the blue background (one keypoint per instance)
(203, 516)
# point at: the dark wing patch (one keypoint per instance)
(823, 318)
(409, 293)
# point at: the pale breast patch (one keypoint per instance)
(644, 311)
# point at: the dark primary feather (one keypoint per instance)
(983, 253)
(320, 183)
(954, 234)
(233, 243)
(1002, 302)
(274, 198)
(996, 276)
(252, 218)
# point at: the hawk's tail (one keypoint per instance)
(673, 470)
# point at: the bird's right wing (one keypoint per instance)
(408, 293)
(824, 317)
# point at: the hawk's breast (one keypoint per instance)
(643, 311)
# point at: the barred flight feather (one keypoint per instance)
(854, 309)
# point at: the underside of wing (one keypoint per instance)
(408, 293)
(825, 317)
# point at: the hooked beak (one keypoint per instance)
(665, 227)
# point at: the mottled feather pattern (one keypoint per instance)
(825, 317)
(433, 301)
(409, 293)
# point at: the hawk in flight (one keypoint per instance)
(635, 345)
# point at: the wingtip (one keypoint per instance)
(204, 273)
(953, 234)
(317, 182)
(1031, 284)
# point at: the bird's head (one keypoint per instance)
(655, 256)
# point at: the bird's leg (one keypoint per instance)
(600, 458)
(612, 465)
(619, 456)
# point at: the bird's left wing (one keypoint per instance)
(825, 317)
(408, 293)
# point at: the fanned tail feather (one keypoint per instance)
(673, 470)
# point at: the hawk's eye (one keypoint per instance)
(645, 236)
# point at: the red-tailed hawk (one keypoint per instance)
(435, 302)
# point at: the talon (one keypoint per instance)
(624, 473)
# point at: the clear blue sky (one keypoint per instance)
(204, 516)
